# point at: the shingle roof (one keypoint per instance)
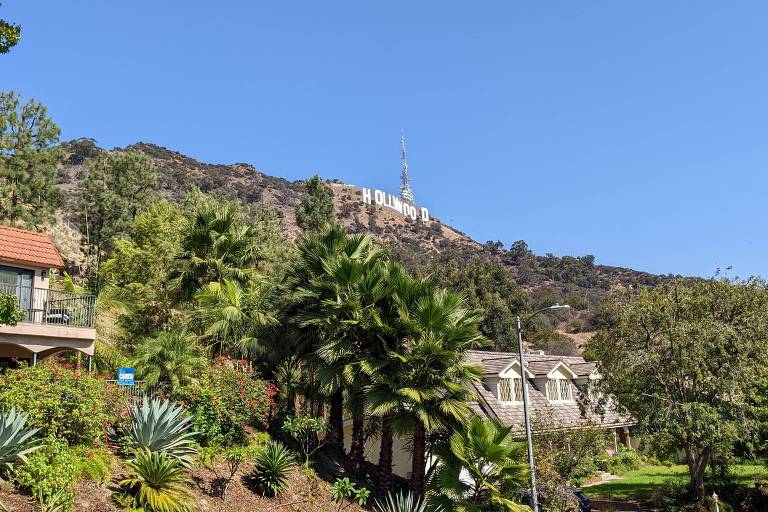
(19, 245)
(545, 414)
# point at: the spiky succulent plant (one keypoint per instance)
(16, 442)
(160, 425)
(157, 483)
(402, 503)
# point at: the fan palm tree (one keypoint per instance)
(170, 356)
(304, 292)
(232, 316)
(427, 384)
(348, 300)
(480, 459)
(217, 245)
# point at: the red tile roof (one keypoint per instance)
(23, 246)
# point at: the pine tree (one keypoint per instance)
(29, 156)
(316, 207)
(118, 187)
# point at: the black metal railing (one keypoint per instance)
(53, 307)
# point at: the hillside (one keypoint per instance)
(577, 279)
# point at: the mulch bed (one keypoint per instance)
(302, 495)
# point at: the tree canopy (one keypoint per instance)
(315, 209)
(689, 360)
(29, 156)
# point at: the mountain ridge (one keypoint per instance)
(412, 241)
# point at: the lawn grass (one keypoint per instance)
(642, 483)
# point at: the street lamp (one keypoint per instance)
(526, 414)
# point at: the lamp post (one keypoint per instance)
(526, 413)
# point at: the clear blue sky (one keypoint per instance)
(634, 131)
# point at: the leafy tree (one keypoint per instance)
(316, 207)
(489, 286)
(688, 359)
(134, 280)
(479, 461)
(10, 312)
(172, 357)
(28, 158)
(10, 33)
(118, 187)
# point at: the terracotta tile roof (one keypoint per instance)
(19, 245)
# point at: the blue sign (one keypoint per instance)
(126, 376)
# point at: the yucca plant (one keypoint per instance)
(158, 482)
(272, 465)
(16, 442)
(160, 425)
(402, 502)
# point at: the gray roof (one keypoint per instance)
(545, 414)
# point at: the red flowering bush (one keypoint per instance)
(225, 399)
(65, 401)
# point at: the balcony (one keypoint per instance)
(53, 307)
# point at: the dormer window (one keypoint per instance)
(510, 390)
(559, 390)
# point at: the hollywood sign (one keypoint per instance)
(383, 199)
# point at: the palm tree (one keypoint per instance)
(478, 462)
(170, 356)
(427, 385)
(347, 307)
(218, 244)
(305, 289)
(232, 316)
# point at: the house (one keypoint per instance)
(557, 392)
(558, 388)
(55, 320)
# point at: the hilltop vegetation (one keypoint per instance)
(433, 247)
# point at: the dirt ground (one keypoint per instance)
(303, 495)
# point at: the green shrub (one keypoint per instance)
(157, 483)
(271, 468)
(94, 463)
(50, 473)
(161, 425)
(625, 460)
(65, 402)
(224, 401)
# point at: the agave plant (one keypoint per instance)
(16, 442)
(158, 482)
(271, 467)
(160, 425)
(402, 503)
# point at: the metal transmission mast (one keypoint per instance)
(406, 194)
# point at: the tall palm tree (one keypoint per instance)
(172, 357)
(478, 462)
(305, 328)
(427, 385)
(218, 244)
(348, 300)
(232, 316)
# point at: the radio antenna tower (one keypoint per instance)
(406, 194)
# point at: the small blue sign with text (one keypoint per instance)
(126, 376)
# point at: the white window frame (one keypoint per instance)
(559, 390)
(510, 389)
